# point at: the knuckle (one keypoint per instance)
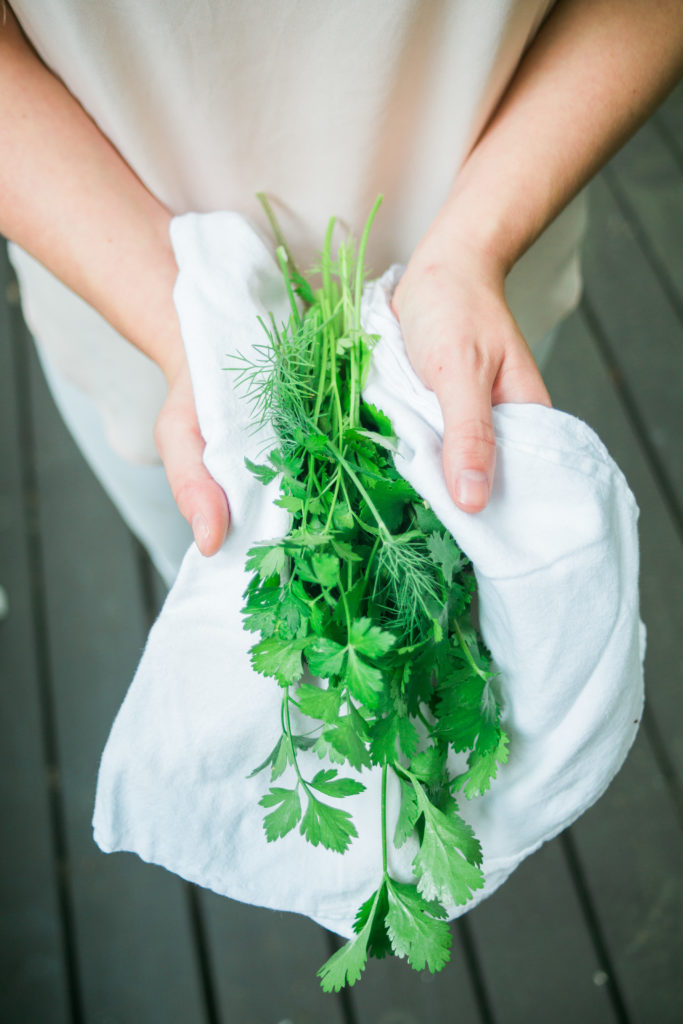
(474, 437)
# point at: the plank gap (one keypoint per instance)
(481, 995)
(198, 928)
(630, 406)
(335, 942)
(594, 928)
(19, 342)
(641, 236)
(663, 762)
(668, 138)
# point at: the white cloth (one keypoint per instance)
(321, 104)
(556, 558)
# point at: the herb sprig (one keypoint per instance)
(363, 617)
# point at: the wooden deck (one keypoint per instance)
(589, 929)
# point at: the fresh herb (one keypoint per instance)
(371, 595)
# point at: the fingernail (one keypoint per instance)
(200, 529)
(472, 488)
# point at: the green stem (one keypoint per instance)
(368, 500)
(360, 260)
(384, 820)
(281, 254)
(287, 728)
(276, 229)
(468, 653)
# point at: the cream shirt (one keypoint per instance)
(323, 104)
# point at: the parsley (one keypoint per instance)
(370, 594)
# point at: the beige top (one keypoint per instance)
(323, 104)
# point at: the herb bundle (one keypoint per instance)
(371, 595)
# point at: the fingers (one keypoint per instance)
(467, 387)
(463, 386)
(199, 498)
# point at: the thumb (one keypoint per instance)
(469, 446)
(180, 444)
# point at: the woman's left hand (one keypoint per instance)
(464, 344)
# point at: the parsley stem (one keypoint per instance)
(282, 260)
(368, 500)
(360, 259)
(384, 819)
(467, 652)
(288, 730)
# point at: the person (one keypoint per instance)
(480, 124)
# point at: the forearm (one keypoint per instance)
(69, 199)
(595, 71)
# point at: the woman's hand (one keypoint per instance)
(68, 197)
(181, 446)
(464, 345)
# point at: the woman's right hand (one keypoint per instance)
(69, 199)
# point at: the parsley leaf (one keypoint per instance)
(413, 928)
(328, 826)
(282, 820)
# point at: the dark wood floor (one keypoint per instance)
(588, 930)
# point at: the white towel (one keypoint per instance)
(556, 558)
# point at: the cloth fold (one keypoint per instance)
(555, 554)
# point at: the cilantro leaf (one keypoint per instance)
(266, 559)
(325, 657)
(429, 765)
(325, 568)
(346, 965)
(445, 553)
(370, 640)
(280, 658)
(319, 702)
(444, 873)
(459, 708)
(263, 473)
(375, 907)
(282, 820)
(326, 781)
(413, 928)
(408, 814)
(364, 681)
(390, 733)
(347, 741)
(483, 764)
(327, 826)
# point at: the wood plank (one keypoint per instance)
(641, 327)
(390, 992)
(243, 941)
(669, 120)
(264, 964)
(648, 182)
(630, 843)
(33, 982)
(579, 383)
(534, 945)
(632, 850)
(136, 953)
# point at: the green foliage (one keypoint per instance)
(370, 594)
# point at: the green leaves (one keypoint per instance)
(443, 872)
(413, 929)
(326, 781)
(368, 593)
(326, 825)
(397, 919)
(287, 814)
(280, 658)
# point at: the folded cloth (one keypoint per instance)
(555, 554)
